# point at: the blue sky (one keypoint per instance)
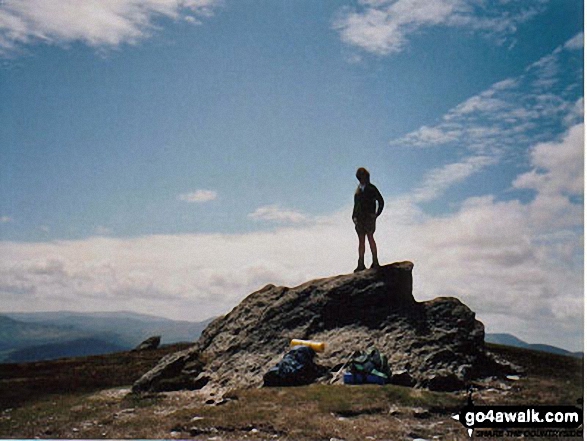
(171, 156)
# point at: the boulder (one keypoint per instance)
(149, 344)
(348, 312)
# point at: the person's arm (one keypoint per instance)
(380, 202)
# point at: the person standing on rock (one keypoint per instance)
(368, 206)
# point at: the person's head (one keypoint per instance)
(363, 175)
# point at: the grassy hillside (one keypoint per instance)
(89, 398)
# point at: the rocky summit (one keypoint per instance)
(436, 344)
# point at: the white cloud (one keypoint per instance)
(558, 166)
(513, 114)
(577, 42)
(385, 26)
(5, 219)
(198, 196)
(557, 176)
(97, 23)
(278, 214)
(437, 181)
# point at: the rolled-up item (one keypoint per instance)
(317, 346)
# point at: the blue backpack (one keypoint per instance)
(296, 368)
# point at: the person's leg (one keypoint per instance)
(361, 264)
(373, 247)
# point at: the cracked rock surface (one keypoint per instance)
(437, 344)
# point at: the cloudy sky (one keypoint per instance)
(171, 156)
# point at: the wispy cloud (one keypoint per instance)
(198, 196)
(5, 219)
(577, 42)
(438, 180)
(385, 26)
(97, 23)
(276, 213)
(504, 121)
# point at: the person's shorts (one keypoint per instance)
(365, 225)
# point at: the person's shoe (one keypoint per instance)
(375, 264)
(360, 266)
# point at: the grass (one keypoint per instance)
(548, 378)
(24, 382)
(101, 406)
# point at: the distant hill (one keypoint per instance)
(76, 348)
(511, 340)
(62, 333)
(16, 333)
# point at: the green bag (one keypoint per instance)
(370, 362)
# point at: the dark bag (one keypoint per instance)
(371, 362)
(296, 368)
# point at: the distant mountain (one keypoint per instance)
(54, 331)
(511, 340)
(52, 351)
(16, 334)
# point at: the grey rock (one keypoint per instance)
(149, 344)
(444, 381)
(464, 371)
(428, 340)
(421, 413)
(402, 378)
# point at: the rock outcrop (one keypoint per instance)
(436, 344)
(149, 344)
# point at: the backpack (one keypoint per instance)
(370, 363)
(296, 368)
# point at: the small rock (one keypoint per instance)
(394, 410)
(513, 377)
(444, 381)
(464, 371)
(402, 378)
(195, 431)
(149, 344)
(421, 413)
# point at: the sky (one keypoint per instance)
(170, 157)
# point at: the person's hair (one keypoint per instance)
(363, 172)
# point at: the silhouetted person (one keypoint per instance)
(368, 205)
